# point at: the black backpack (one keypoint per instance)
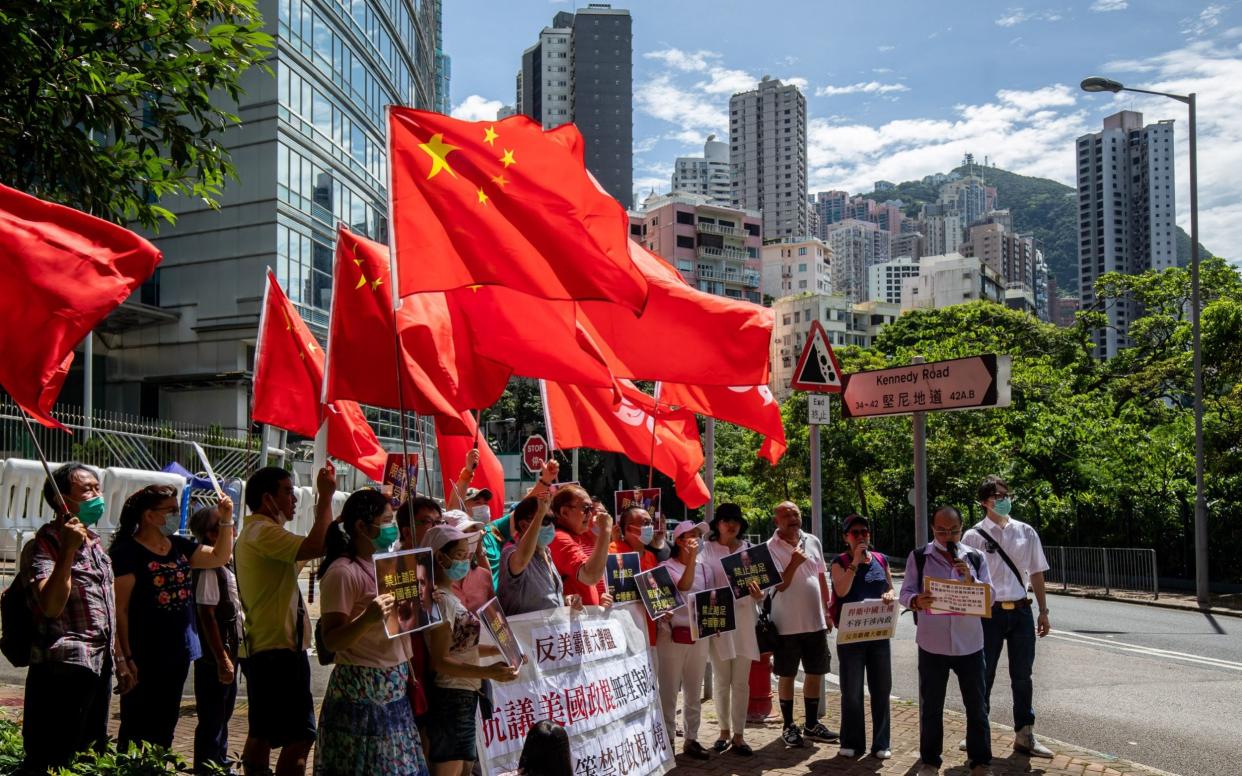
(17, 619)
(920, 560)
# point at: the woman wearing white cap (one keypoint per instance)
(682, 660)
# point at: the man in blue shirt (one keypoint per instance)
(948, 643)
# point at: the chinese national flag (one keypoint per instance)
(63, 272)
(749, 406)
(288, 381)
(503, 203)
(587, 417)
(684, 335)
(452, 450)
(442, 372)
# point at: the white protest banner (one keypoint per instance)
(952, 596)
(867, 621)
(609, 707)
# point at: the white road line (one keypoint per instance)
(1148, 651)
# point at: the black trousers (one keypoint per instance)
(65, 711)
(149, 712)
(215, 703)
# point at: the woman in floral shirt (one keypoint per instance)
(156, 631)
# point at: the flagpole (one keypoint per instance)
(655, 419)
(43, 460)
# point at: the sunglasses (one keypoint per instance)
(857, 532)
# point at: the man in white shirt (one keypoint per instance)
(1014, 555)
(799, 609)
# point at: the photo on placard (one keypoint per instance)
(621, 570)
(647, 498)
(751, 564)
(407, 576)
(399, 477)
(497, 624)
(713, 612)
(657, 592)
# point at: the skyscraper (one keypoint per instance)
(581, 70)
(311, 153)
(1126, 212)
(708, 175)
(856, 246)
(830, 205)
(767, 148)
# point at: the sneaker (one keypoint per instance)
(743, 749)
(847, 753)
(961, 745)
(721, 746)
(820, 732)
(1026, 743)
(792, 736)
(882, 754)
(694, 749)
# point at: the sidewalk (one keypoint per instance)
(1227, 604)
(771, 756)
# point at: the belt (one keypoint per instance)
(1010, 605)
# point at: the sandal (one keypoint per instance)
(721, 745)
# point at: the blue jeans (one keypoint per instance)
(874, 658)
(933, 680)
(1015, 627)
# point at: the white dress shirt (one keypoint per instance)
(1021, 543)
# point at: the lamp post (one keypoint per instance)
(1099, 84)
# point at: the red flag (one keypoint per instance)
(749, 406)
(503, 203)
(288, 380)
(63, 271)
(684, 335)
(442, 371)
(586, 417)
(452, 449)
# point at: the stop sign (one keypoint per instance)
(534, 453)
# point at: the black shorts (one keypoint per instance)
(282, 711)
(809, 649)
(450, 729)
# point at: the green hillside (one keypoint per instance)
(1042, 207)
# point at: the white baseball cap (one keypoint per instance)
(686, 526)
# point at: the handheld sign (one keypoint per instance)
(658, 593)
(867, 621)
(398, 475)
(407, 576)
(817, 368)
(497, 625)
(647, 498)
(957, 384)
(622, 568)
(211, 474)
(713, 613)
(751, 564)
(955, 596)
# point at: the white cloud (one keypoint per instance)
(1016, 15)
(881, 70)
(661, 98)
(477, 108)
(884, 48)
(1207, 20)
(1104, 6)
(867, 87)
(682, 60)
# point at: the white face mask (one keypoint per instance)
(482, 513)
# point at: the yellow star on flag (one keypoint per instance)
(508, 159)
(500, 180)
(475, 288)
(489, 135)
(438, 150)
(482, 197)
(362, 281)
(375, 284)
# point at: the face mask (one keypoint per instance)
(172, 522)
(1002, 506)
(387, 537)
(939, 545)
(646, 534)
(546, 534)
(91, 511)
(482, 513)
(458, 570)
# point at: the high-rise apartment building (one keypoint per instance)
(845, 323)
(942, 229)
(797, 267)
(830, 208)
(951, 279)
(1126, 212)
(581, 70)
(884, 280)
(708, 175)
(311, 153)
(856, 245)
(767, 149)
(970, 197)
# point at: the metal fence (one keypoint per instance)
(1106, 568)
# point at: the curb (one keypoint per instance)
(1153, 604)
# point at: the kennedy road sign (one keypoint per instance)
(534, 453)
(960, 384)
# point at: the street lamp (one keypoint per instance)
(1100, 84)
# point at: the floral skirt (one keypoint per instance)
(366, 725)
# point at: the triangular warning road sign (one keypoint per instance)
(817, 368)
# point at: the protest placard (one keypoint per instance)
(621, 570)
(407, 576)
(713, 613)
(866, 621)
(752, 564)
(647, 498)
(399, 476)
(954, 596)
(493, 618)
(609, 707)
(657, 592)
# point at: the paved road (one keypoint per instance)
(1154, 686)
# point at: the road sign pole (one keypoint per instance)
(709, 432)
(920, 473)
(575, 464)
(817, 505)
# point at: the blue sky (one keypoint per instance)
(901, 89)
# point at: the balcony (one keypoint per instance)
(747, 278)
(722, 253)
(727, 231)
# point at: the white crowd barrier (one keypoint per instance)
(22, 508)
(119, 484)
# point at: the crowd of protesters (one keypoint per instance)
(139, 613)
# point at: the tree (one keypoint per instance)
(110, 106)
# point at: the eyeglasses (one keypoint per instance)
(949, 532)
(857, 532)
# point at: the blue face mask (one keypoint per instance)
(1002, 506)
(458, 570)
(172, 523)
(546, 534)
(646, 534)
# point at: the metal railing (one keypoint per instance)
(1106, 568)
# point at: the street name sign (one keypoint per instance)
(959, 384)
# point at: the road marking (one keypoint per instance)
(1148, 651)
